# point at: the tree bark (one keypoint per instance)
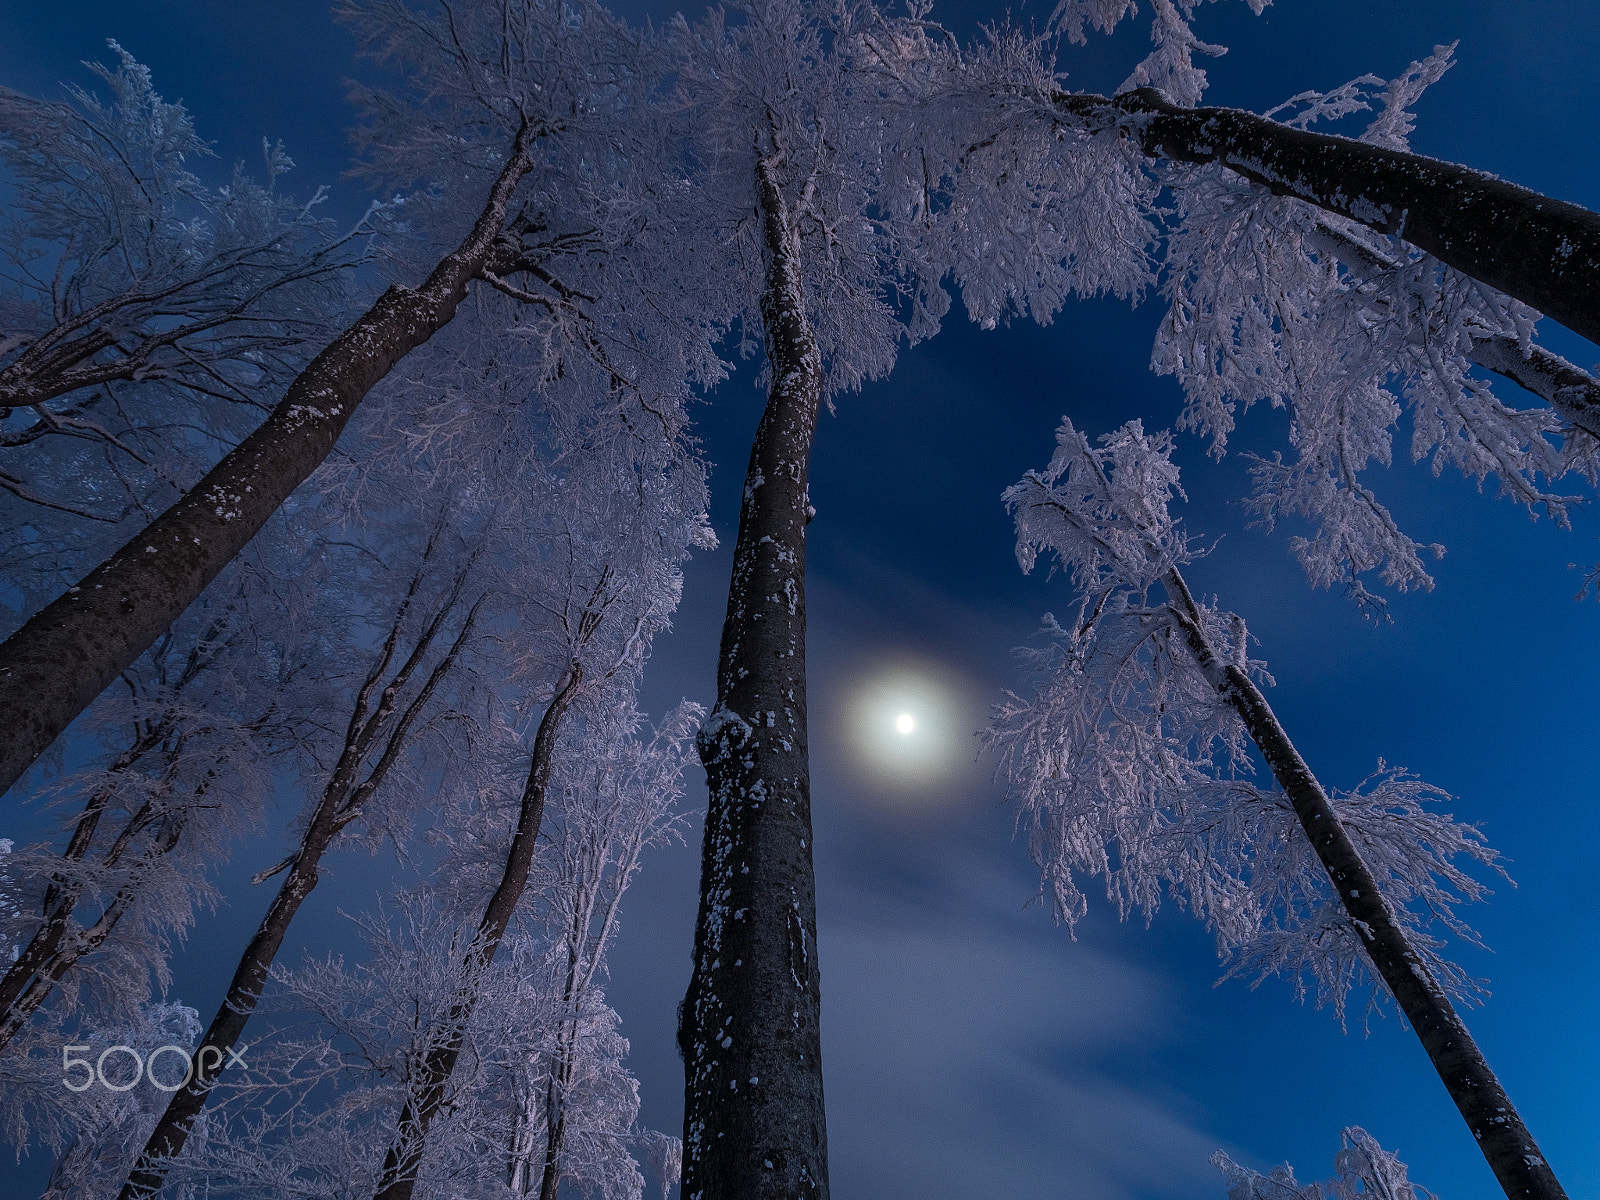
(1544, 252)
(54, 666)
(749, 1029)
(1502, 1137)
(550, 1180)
(339, 804)
(427, 1094)
(1569, 389)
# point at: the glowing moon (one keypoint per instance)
(909, 725)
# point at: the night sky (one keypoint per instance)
(971, 1049)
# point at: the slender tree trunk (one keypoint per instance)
(550, 1181)
(54, 666)
(1544, 252)
(427, 1093)
(339, 804)
(1505, 1141)
(244, 990)
(753, 1108)
(555, 1094)
(522, 1145)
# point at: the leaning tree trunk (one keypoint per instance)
(1544, 252)
(1505, 1141)
(750, 1027)
(54, 666)
(428, 1092)
(340, 803)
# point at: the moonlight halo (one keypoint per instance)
(909, 726)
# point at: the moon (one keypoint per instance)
(909, 726)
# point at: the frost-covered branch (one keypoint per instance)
(1272, 300)
(125, 269)
(1541, 251)
(1362, 1170)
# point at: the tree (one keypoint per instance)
(141, 301)
(1541, 251)
(615, 803)
(384, 711)
(498, 127)
(93, 1130)
(538, 1091)
(103, 906)
(91, 911)
(782, 131)
(608, 525)
(565, 564)
(1288, 291)
(1137, 738)
(1273, 300)
(807, 178)
(1362, 1168)
(83, 639)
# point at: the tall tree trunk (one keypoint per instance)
(339, 804)
(427, 1093)
(550, 1181)
(54, 666)
(750, 1027)
(1505, 1141)
(555, 1094)
(1544, 252)
(166, 1142)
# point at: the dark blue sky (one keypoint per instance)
(971, 1049)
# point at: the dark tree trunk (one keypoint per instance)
(550, 1181)
(1505, 1141)
(172, 1131)
(427, 1092)
(1544, 252)
(749, 1029)
(339, 804)
(54, 666)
